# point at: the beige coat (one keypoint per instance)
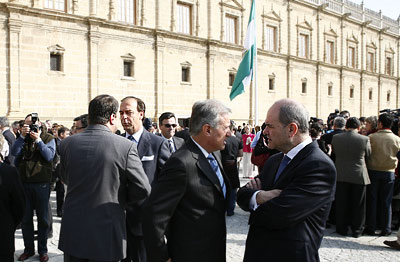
(384, 145)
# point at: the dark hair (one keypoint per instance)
(84, 120)
(315, 129)
(386, 120)
(353, 122)
(362, 119)
(140, 107)
(186, 122)
(166, 115)
(147, 123)
(62, 130)
(101, 108)
(21, 123)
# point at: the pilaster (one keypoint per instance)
(159, 46)
(14, 64)
(94, 39)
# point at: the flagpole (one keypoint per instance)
(255, 70)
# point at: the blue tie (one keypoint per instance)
(171, 146)
(215, 167)
(285, 161)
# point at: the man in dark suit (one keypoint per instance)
(233, 149)
(9, 136)
(290, 200)
(184, 133)
(12, 206)
(167, 124)
(189, 199)
(351, 150)
(153, 152)
(104, 177)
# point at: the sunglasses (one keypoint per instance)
(169, 125)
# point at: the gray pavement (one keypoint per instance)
(334, 247)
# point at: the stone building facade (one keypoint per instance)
(55, 55)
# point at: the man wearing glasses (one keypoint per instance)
(168, 126)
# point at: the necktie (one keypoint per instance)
(215, 167)
(285, 161)
(132, 139)
(171, 146)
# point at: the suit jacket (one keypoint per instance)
(153, 152)
(178, 142)
(104, 176)
(9, 136)
(187, 199)
(290, 227)
(12, 206)
(352, 151)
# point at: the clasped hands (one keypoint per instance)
(262, 196)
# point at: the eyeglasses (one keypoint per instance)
(169, 125)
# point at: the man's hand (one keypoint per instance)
(254, 184)
(34, 135)
(264, 196)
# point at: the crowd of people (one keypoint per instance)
(160, 192)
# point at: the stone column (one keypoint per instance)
(14, 64)
(159, 47)
(93, 8)
(94, 39)
(173, 20)
(75, 6)
(210, 72)
(112, 14)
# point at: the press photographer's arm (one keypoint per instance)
(33, 139)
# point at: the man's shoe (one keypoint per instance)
(385, 233)
(44, 257)
(369, 232)
(393, 244)
(25, 256)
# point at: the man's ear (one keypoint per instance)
(293, 129)
(141, 115)
(206, 129)
(112, 119)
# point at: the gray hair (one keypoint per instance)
(206, 112)
(339, 122)
(293, 112)
(373, 121)
(4, 121)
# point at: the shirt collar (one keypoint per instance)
(136, 135)
(205, 153)
(295, 150)
(167, 138)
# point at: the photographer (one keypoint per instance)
(34, 151)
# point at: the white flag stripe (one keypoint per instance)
(251, 35)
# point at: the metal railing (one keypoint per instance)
(358, 12)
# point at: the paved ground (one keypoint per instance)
(334, 247)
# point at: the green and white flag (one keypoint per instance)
(245, 72)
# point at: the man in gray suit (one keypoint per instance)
(351, 150)
(104, 176)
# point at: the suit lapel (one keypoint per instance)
(204, 165)
(144, 140)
